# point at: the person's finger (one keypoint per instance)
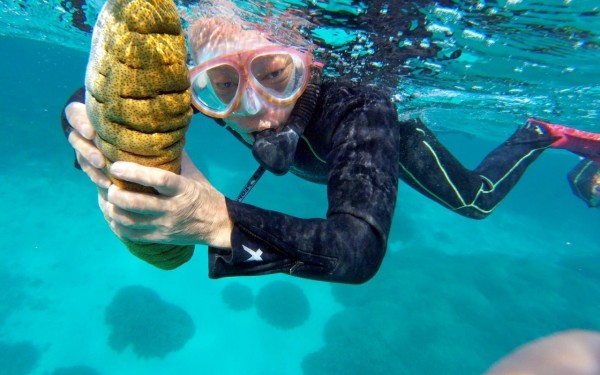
(87, 149)
(105, 206)
(165, 182)
(77, 116)
(135, 202)
(97, 176)
(132, 220)
(134, 234)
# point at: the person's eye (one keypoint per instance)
(274, 74)
(224, 85)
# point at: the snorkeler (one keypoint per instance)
(271, 98)
(584, 180)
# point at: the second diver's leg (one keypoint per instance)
(429, 167)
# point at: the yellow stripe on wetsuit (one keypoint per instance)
(481, 190)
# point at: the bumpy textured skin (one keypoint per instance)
(138, 97)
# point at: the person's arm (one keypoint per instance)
(349, 244)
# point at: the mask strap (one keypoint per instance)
(305, 106)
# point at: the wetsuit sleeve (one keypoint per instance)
(349, 244)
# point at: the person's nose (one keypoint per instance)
(251, 103)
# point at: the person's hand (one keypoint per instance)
(189, 210)
(81, 139)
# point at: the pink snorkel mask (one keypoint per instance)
(242, 82)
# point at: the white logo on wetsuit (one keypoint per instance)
(254, 255)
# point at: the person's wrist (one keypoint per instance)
(222, 226)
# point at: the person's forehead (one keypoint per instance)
(241, 44)
(231, 45)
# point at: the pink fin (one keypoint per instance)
(583, 143)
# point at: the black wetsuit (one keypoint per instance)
(355, 144)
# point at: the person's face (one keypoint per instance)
(273, 72)
(252, 78)
(268, 117)
(254, 112)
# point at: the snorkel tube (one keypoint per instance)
(274, 149)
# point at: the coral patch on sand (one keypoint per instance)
(283, 305)
(139, 318)
(18, 358)
(237, 296)
(75, 370)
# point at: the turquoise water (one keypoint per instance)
(452, 296)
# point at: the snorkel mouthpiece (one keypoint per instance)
(275, 149)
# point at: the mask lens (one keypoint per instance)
(280, 75)
(215, 88)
